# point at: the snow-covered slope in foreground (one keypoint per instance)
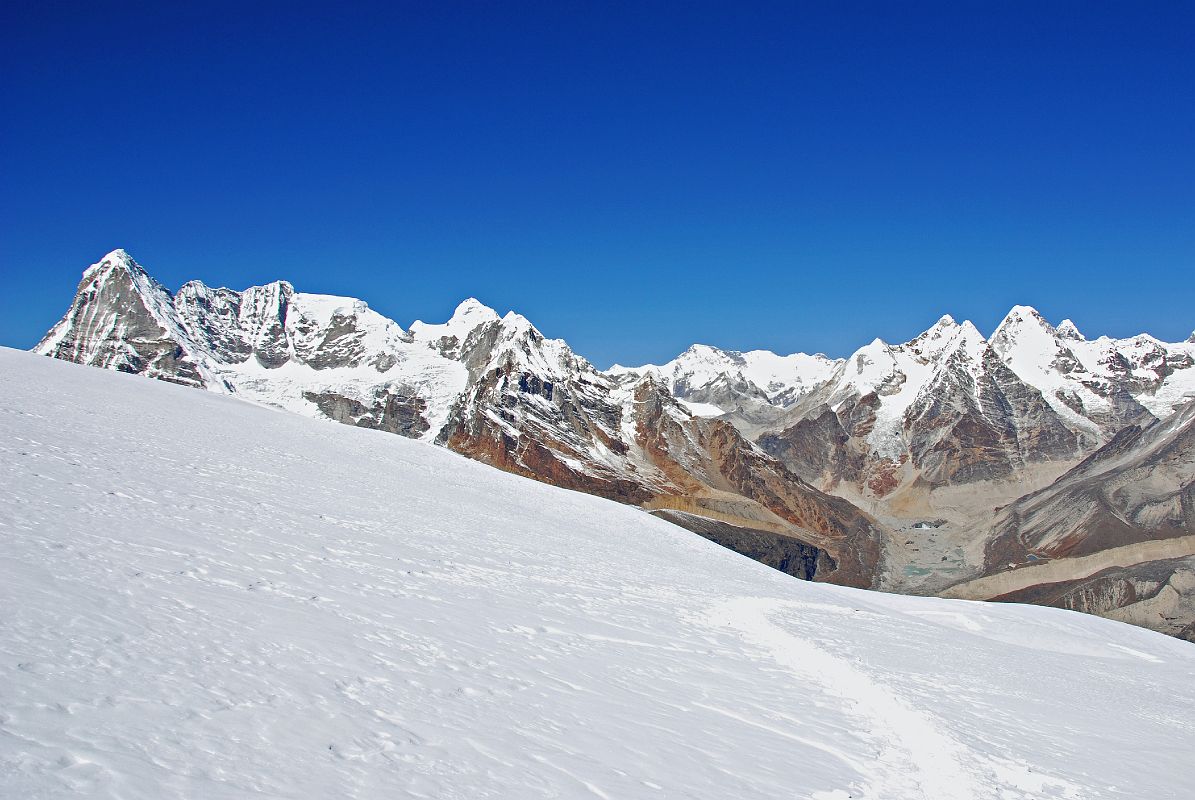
(205, 598)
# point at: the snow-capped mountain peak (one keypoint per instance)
(116, 259)
(1021, 312)
(1097, 386)
(450, 336)
(518, 322)
(907, 404)
(945, 336)
(124, 319)
(1020, 319)
(869, 366)
(730, 378)
(1068, 330)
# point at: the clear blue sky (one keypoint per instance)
(631, 177)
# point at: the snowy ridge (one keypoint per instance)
(451, 337)
(198, 607)
(705, 375)
(899, 375)
(1097, 385)
(317, 355)
(336, 346)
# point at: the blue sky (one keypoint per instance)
(631, 177)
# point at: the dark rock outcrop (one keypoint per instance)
(779, 551)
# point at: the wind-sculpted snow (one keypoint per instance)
(207, 598)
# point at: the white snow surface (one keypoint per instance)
(208, 598)
(702, 409)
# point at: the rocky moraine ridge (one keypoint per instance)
(818, 466)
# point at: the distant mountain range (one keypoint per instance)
(924, 467)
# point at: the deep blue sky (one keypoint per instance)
(632, 178)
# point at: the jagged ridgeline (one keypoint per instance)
(819, 466)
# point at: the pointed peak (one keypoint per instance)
(945, 324)
(116, 259)
(969, 340)
(471, 307)
(515, 320)
(702, 349)
(969, 329)
(1017, 318)
(469, 315)
(1068, 330)
(119, 254)
(944, 328)
(947, 336)
(1023, 313)
(1191, 338)
(877, 348)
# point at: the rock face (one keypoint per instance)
(1138, 487)
(391, 411)
(895, 425)
(492, 388)
(122, 319)
(785, 553)
(898, 421)
(1153, 594)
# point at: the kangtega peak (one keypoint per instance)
(823, 464)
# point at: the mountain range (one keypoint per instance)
(939, 465)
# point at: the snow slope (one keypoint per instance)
(207, 598)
